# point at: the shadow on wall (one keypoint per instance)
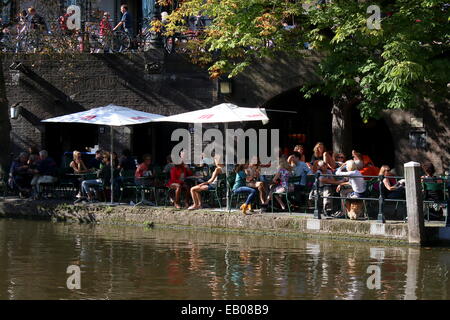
(435, 131)
(160, 91)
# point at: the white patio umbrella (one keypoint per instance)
(222, 113)
(112, 116)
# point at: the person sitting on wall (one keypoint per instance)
(19, 175)
(44, 173)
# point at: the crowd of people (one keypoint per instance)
(29, 22)
(347, 178)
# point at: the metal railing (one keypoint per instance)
(381, 199)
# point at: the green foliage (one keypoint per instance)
(391, 68)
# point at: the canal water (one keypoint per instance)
(125, 262)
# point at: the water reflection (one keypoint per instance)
(133, 263)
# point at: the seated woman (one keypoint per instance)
(211, 184)
(241, 187)
(389, 188)
(280, 182)
(78, 166)
(321, 153)
(253, 178)
(77, 163)
(177, 175)
(432, 195)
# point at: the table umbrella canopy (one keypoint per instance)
(111, 115)
(222, 113)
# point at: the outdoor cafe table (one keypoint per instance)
(144, 182)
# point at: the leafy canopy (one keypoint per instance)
(390, 68)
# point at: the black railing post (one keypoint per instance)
(380, 218)
(317, 214)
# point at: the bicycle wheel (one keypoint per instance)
(121, 42)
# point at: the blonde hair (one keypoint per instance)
(316, 148)
(283, 164)
(383, 170)
(76, 154)
(351, 165)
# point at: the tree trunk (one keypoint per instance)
(5, 125)
(341, 126)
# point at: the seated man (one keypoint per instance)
(300, 169)
(19, 175)
(104, 177)
(44, 173)
(325, 188)
(94, 163)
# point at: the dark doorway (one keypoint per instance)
(374, 139)
(307, 121)
(312, 123)
(67, 137)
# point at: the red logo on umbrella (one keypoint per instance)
(254, 115)
(138, 118)
(88, 117)
(206, 116)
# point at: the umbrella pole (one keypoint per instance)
(112, 165)
(226, 168)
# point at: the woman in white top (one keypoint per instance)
(211, 184)
(356, 180)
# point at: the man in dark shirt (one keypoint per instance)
(126, 22)
(95, 162)
(44, 173)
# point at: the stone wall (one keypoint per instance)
(49, 86)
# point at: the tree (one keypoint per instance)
(394, 67)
